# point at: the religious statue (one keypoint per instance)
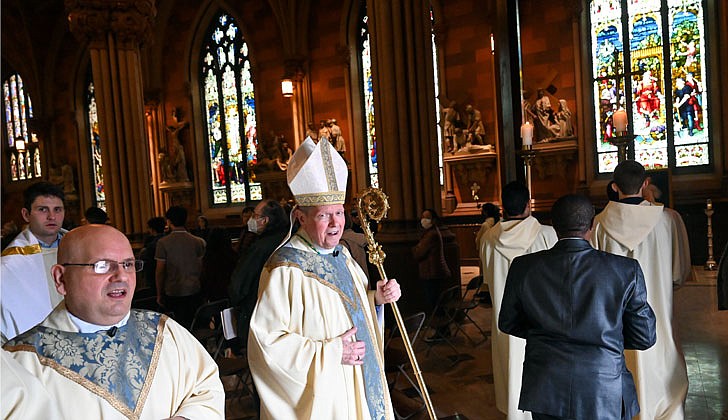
(324, 132)
(450, 118)
(173, 163)
(544, 118)
(275, 154)
(21, 165)
(312, 132)
(563, 116)
(337, 140)
(474, 126)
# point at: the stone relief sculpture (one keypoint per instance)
(464, 132)
(563, 116)
(275, 154)
(549, 125)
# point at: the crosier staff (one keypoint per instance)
(373, 205)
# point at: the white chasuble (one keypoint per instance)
(150, 369)
(28, 292)
(294, 349)
(646, 233)
(500, 245)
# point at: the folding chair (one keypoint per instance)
(234, 366)
(397, 361)
(207, 326)
(468, 302)
(442, 319)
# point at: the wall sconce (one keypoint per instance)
(287, 88)
(19, 144)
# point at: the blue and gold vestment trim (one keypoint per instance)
(119, 369)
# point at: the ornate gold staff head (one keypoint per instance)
(373, 204)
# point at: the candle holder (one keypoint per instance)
(528, 154)
(622, 141)
(710, 264)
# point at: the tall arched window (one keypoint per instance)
(663, 87)
(228, 96)
(94, 147)
(438, 109)
(367, 86)
(23, 157)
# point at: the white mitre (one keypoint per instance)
(317, 174)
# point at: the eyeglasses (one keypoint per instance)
(107, 266)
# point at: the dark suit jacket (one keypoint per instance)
(578, 309)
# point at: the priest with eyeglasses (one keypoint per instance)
(105, 359)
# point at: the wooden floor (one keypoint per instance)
(462, 387)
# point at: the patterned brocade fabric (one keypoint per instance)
(119, 369)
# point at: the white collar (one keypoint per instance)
(87, 327)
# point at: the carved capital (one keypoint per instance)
(130, 21)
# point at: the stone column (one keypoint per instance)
(114, 32)
(406, 130)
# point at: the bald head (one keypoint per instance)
(80, 242)
(98, 298)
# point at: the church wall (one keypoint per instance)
(548, 58)
(467, 73)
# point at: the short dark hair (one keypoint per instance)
(96, 216)
(41, 189)
(629, 177)
(490, 210)
(611, 194)
(515, 197)
(277, 218)
(177, 215)
(572, 214)
(156, 224)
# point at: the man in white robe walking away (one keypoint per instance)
(519, 234)
(315, 346)
(102, 360)
(635, 228)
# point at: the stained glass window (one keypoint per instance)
(367, 86)
(229, 100)
(438, 110)
(663, 87)
(94, 147)
(23, 155)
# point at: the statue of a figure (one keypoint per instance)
(275, 154)
(337, 140)
(312, 132)
(173, 163)
(450, 117)
(474, 127)
(545, 123)
(563, 116)
(324, 132)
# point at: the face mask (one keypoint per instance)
(426, 223)
(253, 225)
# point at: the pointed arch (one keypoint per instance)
(222, 73)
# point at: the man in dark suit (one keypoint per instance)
(578, 309)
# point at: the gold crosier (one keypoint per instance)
(373, 205)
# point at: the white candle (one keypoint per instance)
(620, 121)
(527, 133)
